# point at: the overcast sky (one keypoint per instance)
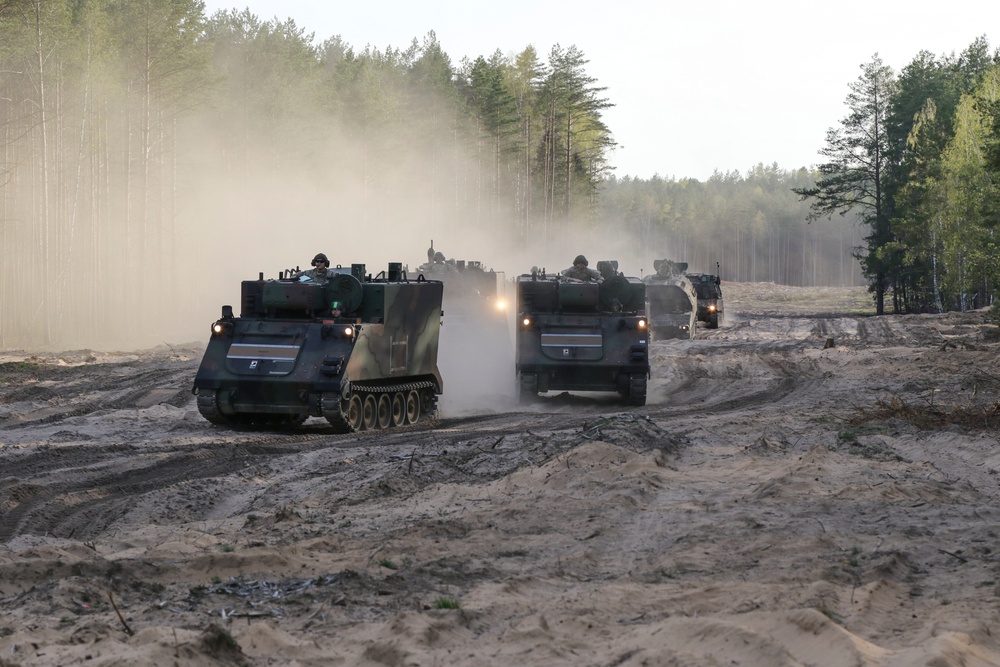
(697, 86)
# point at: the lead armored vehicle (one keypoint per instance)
(709, 290)
(358, 350)
(582, 336)
(671, 301)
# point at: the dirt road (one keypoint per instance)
(807, 485)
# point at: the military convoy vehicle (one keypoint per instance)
(709, 290)
(471, 292)
(671, 301)
(582, 336)
(358, 350)
(477, 347)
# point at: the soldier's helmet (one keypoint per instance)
(439, 257)
(580, 259)
(320, 258)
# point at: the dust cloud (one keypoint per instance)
(161, 277)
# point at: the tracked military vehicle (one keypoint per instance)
(472, 293)
(709, 290)
(476, 343)
(671, 301)
(582, 336)
(358, 350)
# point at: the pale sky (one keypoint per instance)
(697, 86)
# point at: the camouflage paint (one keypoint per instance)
(290, 354)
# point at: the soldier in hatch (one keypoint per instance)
(320, 271)
(579, 271)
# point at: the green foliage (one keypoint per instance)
(132, 128)
(857, 176)
(447, 603)
(918, 158)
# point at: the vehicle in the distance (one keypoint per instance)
(582, 336)
(476, 344)
(709, 290)
(671, 301)
(360, 351)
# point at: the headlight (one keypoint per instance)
(711, 308)
(526, 322)
(642, 324)
(221, 328)
(348, 332)
(501, 305)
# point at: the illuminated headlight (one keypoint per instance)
(348, 332)
(641, 324)
(220, 328)
(526, 322)
(501, 305)
(712, 308)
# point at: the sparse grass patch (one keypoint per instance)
(869, 449)
(930, 417)
(388, 564)
(447, 603)
(227, 548)
(18, 366)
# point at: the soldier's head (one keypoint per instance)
(580, 261)
(439, 257)
(320, 260)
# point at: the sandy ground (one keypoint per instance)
(808, 485)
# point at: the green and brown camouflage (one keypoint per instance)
(671, 301)
(361, 352)
(582, 336)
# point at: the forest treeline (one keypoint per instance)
(150, 152)
(917, 158)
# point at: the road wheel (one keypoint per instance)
(384, 411)
(398, 409)
(369, 413)
(355, 413)
(412, 407)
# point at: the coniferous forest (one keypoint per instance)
(153, 157)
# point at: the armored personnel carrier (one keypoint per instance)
(671, 301)
(709, 290)
(582, 336)
(476, 343)
(359, 351)
(471, 291)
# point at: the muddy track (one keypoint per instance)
(81, 490)
(95, 487)
(107, 453)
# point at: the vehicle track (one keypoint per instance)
(83, 483)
